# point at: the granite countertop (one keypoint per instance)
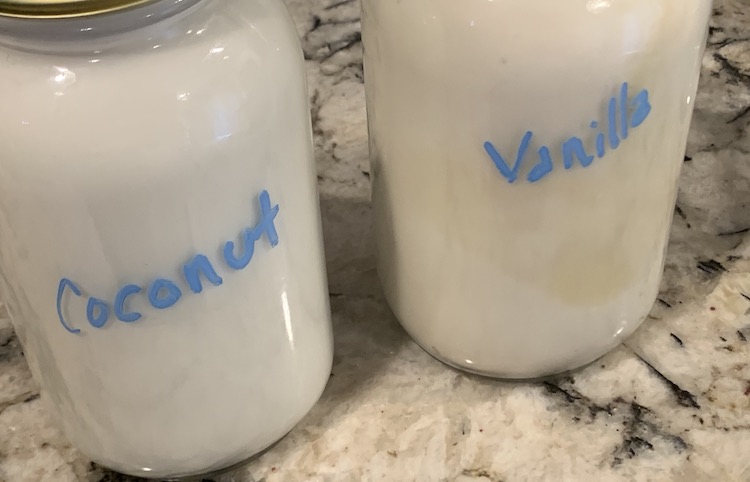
(673, 403)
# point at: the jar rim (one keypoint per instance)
(49, 9)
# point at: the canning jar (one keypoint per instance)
(525, 158)
(160, 239)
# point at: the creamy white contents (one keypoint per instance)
(547, 272)
(132, 162)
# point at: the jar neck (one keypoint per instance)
(92, 31)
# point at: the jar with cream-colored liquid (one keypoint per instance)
(525, 158)
(160, 239)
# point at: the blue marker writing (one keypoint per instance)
(544, 167)
(642, 108)
(623, 114)
(97, 312)
(573, 147)
(66, 283)
(511, 174)
(251, 235)
(614, 141)
(164, 293)
(120, 300)
(197, 266)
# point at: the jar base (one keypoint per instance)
(503, 378)
(204, 475)
(576, 367)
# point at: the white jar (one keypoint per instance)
(160, 240)
(525, 160)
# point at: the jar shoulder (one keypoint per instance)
(228, 54)
(216, 43)
(547, 22)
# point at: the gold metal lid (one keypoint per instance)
(62, 8)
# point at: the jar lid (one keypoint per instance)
(62, 8)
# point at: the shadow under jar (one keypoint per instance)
(525, 157)
(160, 240)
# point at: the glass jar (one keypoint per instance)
(160, 238)
(525, 157)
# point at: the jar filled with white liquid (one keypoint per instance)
(525, 157)
(160, 238)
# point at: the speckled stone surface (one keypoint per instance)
(673, 403)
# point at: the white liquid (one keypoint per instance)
(124, 158)
(532, 278)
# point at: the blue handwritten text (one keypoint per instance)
(622, 111)
(163, 293)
